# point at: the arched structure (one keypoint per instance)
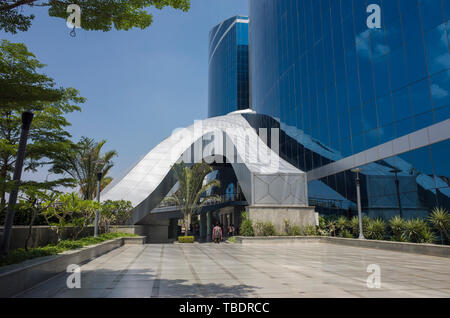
(267, 181)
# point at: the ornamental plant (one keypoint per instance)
(246, 228)
(440, 219)
(397, 227)
(376, 229)
(418, 231)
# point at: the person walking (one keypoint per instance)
(217, 234)
(230, 230)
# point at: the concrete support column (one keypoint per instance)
(233, 219)
(202, 225)
(208, 226)
(276, 215)
(225, 223)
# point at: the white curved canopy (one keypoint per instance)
(264, 177)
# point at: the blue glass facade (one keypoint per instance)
(228, 67)
(339, 89)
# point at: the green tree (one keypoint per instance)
(70, 210)
(191, 189)
(114, 213)
(83, 163)
(22, 88)
(100, 15)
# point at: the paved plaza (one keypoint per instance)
(307, 269)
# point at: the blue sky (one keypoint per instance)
(140, 84)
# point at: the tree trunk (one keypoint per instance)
(4, 173)
(30, 229)
(16, 4)
(187, 223)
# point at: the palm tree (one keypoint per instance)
(84, 162)
(191, 187)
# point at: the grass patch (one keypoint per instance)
(19, 255)
(232, 239)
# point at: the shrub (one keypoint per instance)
(354, 224)
(185, 239)
(375, 229)
(295, 230)
(246, 228)
(342, 224)
(258, 229)
(428, 236)
(70, 210)
(310, 230)
(322, 223)
(19, 255)
(331, 225)
(346, 234)
(291, 229)
(418, 231)
(397, 226)
(323, 232)
(440, 219)
(114, 213)
(264, 229)
(269, 229)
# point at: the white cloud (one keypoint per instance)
(377, 40)
(438, 92)
(382, 49)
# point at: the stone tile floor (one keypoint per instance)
(232, 270)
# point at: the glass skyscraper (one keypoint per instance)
(228, 67)
(348, 96)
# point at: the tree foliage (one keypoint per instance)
(191, 194)
(83, 162)
(114, 213)
(70, 210)
(22, 88)
(100, 15)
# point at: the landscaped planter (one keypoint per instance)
(17, 278)
(425, 249)
(186, 239)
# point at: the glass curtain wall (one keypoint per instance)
(339, 88)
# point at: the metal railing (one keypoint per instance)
(224, 198)
(327, 203)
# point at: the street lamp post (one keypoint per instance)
(99, 178)
(27, 118)
(397, 190)
(358, 198)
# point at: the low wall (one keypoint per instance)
(17, 278)
(424, 249)
(277, 239)
(41, 235)
(154, 233)
(276, 215)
